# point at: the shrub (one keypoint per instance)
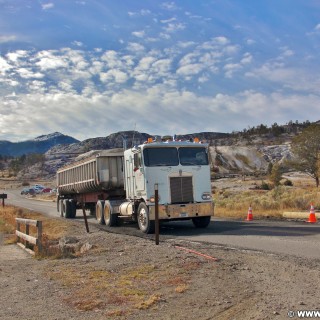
(288, 183)
(25, 183)
(265, 186)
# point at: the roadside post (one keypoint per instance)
(3, 196)
(156, 212)
(85, 217)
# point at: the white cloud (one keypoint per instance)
(4, 66)
(247, 58)
(221, 40)
(115, 75)
(173, 27)
(186, 44)
(171, 6)
(135, 47)
(188, 112)
(168, 20)
(142, 12)
(139, 34)
(230, 68)
(190, 69)
(15, 56)
(8, 38)
(47, 6)
(29, 74)
(250, 42)
(77, 43)
(51, 62)
(162, 67)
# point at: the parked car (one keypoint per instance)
(28, 191)
(24, 191)
(38, 188)
(46, 190)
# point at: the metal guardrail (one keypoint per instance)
(37, 241)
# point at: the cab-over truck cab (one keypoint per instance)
(181, 171)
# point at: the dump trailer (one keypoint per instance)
(116, 184)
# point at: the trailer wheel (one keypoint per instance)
(145, 224)
(110, 219)
(67, 208)
(62, 208)
(73, 209)
(99, 212)
(201, 222)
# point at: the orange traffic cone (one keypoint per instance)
(249, 216)
(312, 215)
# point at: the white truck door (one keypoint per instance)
(138, 172)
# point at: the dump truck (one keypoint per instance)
(120, 184)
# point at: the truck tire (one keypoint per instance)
(99, 212)
(68, 208)
(110, 219)
(73, 209)
(61, 208)
(145, 224)
(201, 222)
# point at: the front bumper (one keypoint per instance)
(180, 211)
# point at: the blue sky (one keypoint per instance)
(91, 68)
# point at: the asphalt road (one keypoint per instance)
(279, 237)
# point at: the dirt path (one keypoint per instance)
(124, 277)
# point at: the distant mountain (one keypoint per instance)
(114, 140)
(121, 139)
(40, 144)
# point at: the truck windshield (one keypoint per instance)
(193, 156)
(157, 157)
(188, 156)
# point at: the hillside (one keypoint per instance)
(40, 144)
(239, 152)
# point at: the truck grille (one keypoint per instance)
(181, 189)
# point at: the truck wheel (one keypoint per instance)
(144, 222)
(99, 212)
(110, 219)
(73, 209)
(201, 222)
(62, 208)
(67, 207)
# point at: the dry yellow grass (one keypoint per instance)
(139, 288)
(266, 203)
(53, 229)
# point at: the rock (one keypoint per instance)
(85, 247)
(68, 245)
(67, 240)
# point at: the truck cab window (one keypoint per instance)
(137, 161)
(158, 157)
(193, 156)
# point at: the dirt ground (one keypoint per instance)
(126, 277)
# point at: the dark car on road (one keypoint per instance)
(28, 191)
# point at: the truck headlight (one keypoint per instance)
(206, 196)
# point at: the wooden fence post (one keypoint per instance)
(39, 225)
